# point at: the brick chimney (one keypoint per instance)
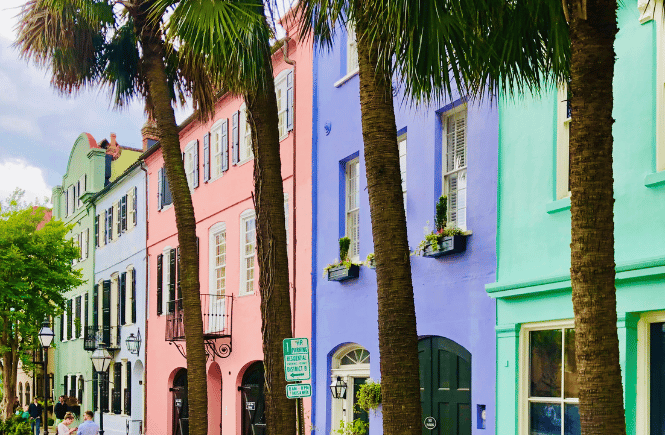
(149, 133)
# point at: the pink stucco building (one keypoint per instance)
(219, 165)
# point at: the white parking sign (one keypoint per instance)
(296, 359)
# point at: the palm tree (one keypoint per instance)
(92, 43)
(510, 47)
(239, 58)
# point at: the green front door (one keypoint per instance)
(445, 386)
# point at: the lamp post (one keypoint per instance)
(101, 360)
(45, 338)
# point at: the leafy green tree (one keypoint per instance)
(35, 271)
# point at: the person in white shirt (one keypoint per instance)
(63, 428)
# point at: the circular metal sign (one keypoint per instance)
(430, 423)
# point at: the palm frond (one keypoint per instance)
(321, 18)
(120, 60)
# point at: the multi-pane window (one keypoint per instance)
(246, 152)
(352, 207)
(551, 386)
(401, 142)
(219, 143)
(351, 48)
(70, 200)
(563, 142)
(455, 164)
(164, 197)
(247, 251)
(132, 207)
(284, 95)
(218, 260)
(191, 161)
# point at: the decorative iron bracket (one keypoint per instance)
(212, 349)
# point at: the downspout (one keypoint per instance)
(285, 50)
(145, 314)
(315, 229)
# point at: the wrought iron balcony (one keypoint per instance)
(217, 312)
(109, 335)
(116, 401)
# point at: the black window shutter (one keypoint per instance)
(109, 225)
(85, 314)
(133, 295)
(160, 278)
(95, 386)
(128, 390)
(72, 385)
(206, 157)
(70, 313)
(172, 281)
(95, 308)
(123, 213)
(123, 297)
(178, 269)
(196, 164)
(77, 319)
(62, 327)
(235, 138)
(106, 312)
(66, 393)
(97, 230)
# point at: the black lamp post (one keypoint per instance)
(101, 360)
(45, 338)
(338, 388)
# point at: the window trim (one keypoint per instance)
(189, 153)
(166, 278)
(217, 127)
(244, 216)
(524, 373)
(347, 210)
(219, 227)
(243, 125)
(562, 154)
(280, 82)
(444, 156)
(643, 391)
(351, 47)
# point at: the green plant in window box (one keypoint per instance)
(369, 396)
(356, 427)
(445, 239)
(341, 270)
(370, 261)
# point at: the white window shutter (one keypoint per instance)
(289, 101)
(160, 186)
(452, 198)
(461, 200)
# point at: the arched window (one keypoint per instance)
(79, 392)
(20, 392)
(351, 365)
(27, 393)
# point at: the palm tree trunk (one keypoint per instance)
(153, 64)
(592, 268)
(398, 340)
(271, 251)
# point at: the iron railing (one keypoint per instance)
(109, 335)
(216, 311)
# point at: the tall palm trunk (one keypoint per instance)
(160, 97)
(398, 340)
(9, 372)
(592, 268)
(271, 250)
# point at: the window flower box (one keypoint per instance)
(446, 246)
(341, 272)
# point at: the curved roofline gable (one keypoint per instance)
(84, 139)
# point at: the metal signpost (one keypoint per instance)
(297, 368)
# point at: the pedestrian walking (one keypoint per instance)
(35, 411)
(88, 427)
(60, 410)
(63, 428)
(25, 415)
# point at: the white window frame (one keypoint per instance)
(562, 142)
(188, 162)
(218, 228)
(347, 374)
(166, 278)
(402, 145)
(128, 296)
(130, 208)
(459, 170)
(351, 49)
(216, 150)
(116, 221)
(244, 217)
(70, 200)
(352, 208)
(524, 372)
(643, 393)
(282, 103)
(245, 152)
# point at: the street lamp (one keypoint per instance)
(133, 342)
(338, 388)
(45, 339)
(101, 360)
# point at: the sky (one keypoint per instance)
(38, 127)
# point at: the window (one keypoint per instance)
(163, 190)
(549, 386)
(247, 251)
(77, 200)
(78, 331)
(70, 200)
(351, 365)
(191, 161)
(130, 296)
(454, 164)
(219, 148)
(81, 187)
(27, 392)
(70, 319)
(352, 207)
(122, 211)
(351, 49)
(562, 142)
(109, 225)
(650, 400)
(245, 136)
(166, 276)
(401, 142)
(96, 233)
(218, 259)
(284, 95)
(132, 207)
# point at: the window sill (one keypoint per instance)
(558, 205)
(242, 162)
(215, 178)
(166, 207)
(656, 179)
(241, 295)
(346, 78)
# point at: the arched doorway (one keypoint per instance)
(253, 400)
(351, 365)
(445, 386)
(180, 404)
(215, 397)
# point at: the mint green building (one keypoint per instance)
(91, 166)
(536, 382)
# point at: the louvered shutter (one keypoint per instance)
(122, 303)
(196, 164)
(166, 195)
(128, 389)
(62, 327)
(134, 206)
(235, 138)
(87, 242)
(178, 270)
(66, 203)
(85, 315)
(133, 295)
(109, 224)
(106, 312)
(66, 383)
(95, 307)
(95, 389)
(172, 281)
(160, 187)
(123, 213)
(70, 319)
(97, 230)
(225, 145)
(206, 157)
(77, 318)
(160, 278)
(289, 101)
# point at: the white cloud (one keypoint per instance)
(18, 173)
(23, 126)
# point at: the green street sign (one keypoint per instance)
(296, 359)
(297, 391)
